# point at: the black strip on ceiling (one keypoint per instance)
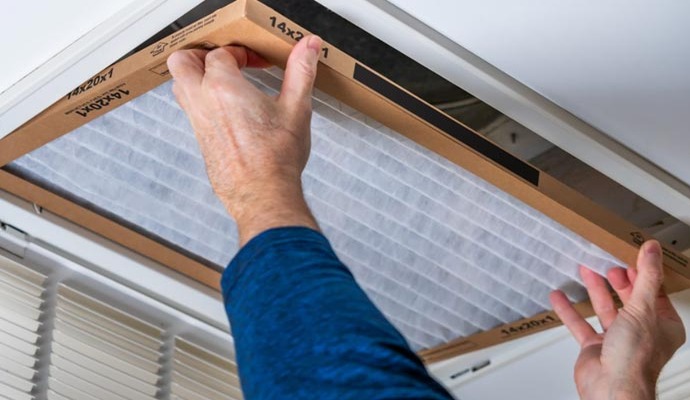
(347, 37)
(443, 122)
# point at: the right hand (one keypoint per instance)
(255, 146)
(624, 362)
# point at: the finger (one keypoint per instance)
(599, 295)
(187, 67)
(254, 60)
(578, 327)
(620, 282)
(224, 74)
(650, 275)
(632, 275)
(227, 60)
(300, 72)
(242, 57)
(180, 96)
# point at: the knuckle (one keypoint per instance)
(641, 317)
(655, 274)
(174, 61)
(215, 55)
(225, 56)
(180, 56)
(238, 54)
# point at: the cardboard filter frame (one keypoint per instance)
(253, 24)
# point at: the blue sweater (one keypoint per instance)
(304, 329)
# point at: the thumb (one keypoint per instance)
(650, 275)
(300, 72)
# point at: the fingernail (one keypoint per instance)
(315, 44)
(652, 248)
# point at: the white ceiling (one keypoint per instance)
(623, 66)
(51, 27)
(51, 47)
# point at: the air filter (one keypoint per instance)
(440, 251)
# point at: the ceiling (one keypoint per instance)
(622, 66)
(38, 46)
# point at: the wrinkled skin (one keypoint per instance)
(255, 146)
(624, 362)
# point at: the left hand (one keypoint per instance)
(624, 362)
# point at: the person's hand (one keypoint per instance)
(255, 146)
(624, 362)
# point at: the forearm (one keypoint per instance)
(304, 329)
(261, 206)
(302, 326)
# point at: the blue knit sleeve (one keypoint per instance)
(304, 329)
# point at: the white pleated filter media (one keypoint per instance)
(443, 253)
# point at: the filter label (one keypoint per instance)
(101, 102)
(522, 328)
(293, 33)
(91, 83)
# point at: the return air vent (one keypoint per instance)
(63, 337)
(102, 352)
(199, 374)
(21, 305)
